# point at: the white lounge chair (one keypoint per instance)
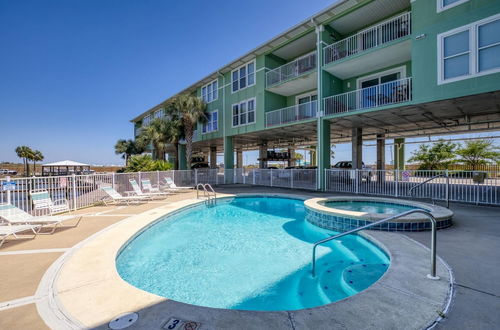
(116, 198)
(10, 230)
(148, 187)
(42, 201)
(15, 216)
(171, 185)
(138, 191)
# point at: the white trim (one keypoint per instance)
(473, 29)
(308, 94)
(441, 8)
(213, 130)
(216, 80)
(246, 76)
(254, 99)
(400, 69)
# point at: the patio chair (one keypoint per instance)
(148, 187)
(15, 216)
(138, 191)
(116, 198)
(171, 184)
(41, 201)
(14, 230)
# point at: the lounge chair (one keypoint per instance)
(41, 201)
(138, 191)
(116, 198)
(171, 185)
(15, 216)
(13, 230)
(148, 187)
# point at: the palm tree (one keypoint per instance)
(176, 130)
(157, 133)
(25, 153)
(36, 156)
(127, 148)
(190, 109)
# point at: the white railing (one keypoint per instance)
(294, 69)
(391, 92)
(292, 114)
(462, 187)
(372, 37)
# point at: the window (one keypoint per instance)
(210, 92)
(212, 122)
(159, 113)
(447, 4)
(243, 77)
(147, 120)
(244, 113)
(469, 51)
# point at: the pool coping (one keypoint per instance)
(73, 295)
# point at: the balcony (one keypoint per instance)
(341, 60)
(393, 92)
(282, 79)
(295, 113)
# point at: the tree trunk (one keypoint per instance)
(189, 142)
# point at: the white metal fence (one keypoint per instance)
(459, 187)
(84, 190)
(292, 114)
(396, 91)
(298, 67)
(372, 37)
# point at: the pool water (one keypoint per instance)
(370, 207)
(251, 253)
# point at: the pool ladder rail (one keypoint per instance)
(447, 191)
(432, 274)
(208, 192)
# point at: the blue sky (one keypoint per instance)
(74, 72)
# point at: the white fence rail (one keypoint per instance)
(372, 37)
(391, 92)
(292, 114)
(462, 186)
(294, 69)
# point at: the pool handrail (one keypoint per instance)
(432, 275)
(206, 193)
(445, 175)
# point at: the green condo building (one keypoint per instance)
(358, 70)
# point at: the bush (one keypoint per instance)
(145, 163)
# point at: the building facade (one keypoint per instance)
(358, 70)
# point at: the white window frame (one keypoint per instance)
(246, 113)
(400, 69)
(211, 122)
(441, 8)
(473, 29)
(246, 76)
(308, 94)
(205, 87)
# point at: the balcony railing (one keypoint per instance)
(372, 37)
(296, 68)
(292, 114)
(392, 92)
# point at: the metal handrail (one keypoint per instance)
(432, 275)
(410, 191)
(206, 193)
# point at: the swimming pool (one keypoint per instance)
(370, 206)
(248, 253)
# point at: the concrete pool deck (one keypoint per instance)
(26, 262)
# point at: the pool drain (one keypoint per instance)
(123, 321)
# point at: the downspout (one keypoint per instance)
(223, 114)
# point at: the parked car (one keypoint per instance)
(200, 165)
(366, 172)
(8, 172)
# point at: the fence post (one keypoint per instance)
(173, 176)
(7, 179)
(74, 191)
(326, 174)
(158, 177)
(253, 179)
(112, 180)
(356, 180)
(195, 176)
(447, 189)
(396, 179)
(139, 176)
(271, 175)
(291, 178)
(243, 175)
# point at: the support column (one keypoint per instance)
(182, 157)
(380, 157)
(263, 155)
(291, 154)
(239, 158)
(399, 154)
(323, 151)
(213, 157)
(357, 148)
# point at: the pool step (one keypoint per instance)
(358, 277)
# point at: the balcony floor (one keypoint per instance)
(296, 85)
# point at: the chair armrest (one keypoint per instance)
(60, 201)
